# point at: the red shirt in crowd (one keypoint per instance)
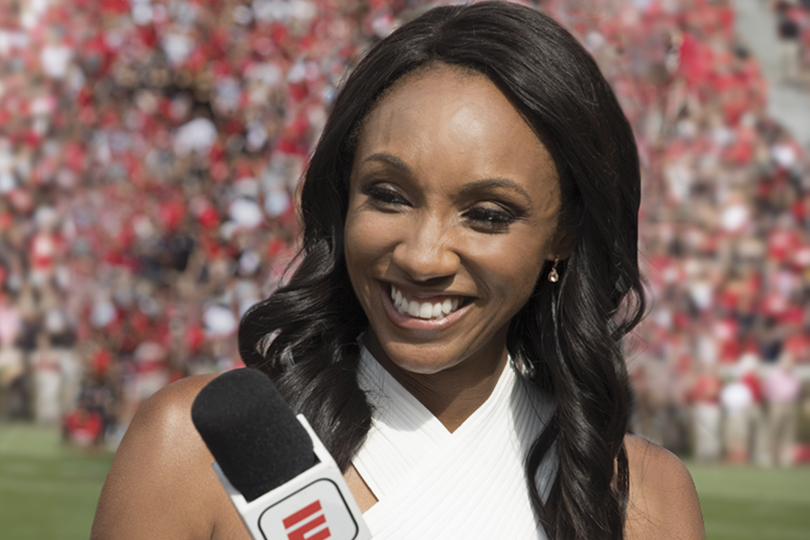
(83, 427)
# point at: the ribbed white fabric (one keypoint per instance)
(468, 484)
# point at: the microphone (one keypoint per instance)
(276, 471)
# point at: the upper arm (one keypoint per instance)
(663, 499)
(161, 484)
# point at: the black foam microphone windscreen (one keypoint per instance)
(251, 432)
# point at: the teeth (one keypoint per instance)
(423, 310)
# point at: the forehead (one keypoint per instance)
(448, 122)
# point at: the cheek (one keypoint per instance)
(358, 239)
(367, 239)
(516, 276)
(512, 268)
(352, 248)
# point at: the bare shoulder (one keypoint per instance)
(663, 499)
(161, 484)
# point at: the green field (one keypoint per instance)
(743, 503)
(49, 491)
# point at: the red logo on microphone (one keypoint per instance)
(305, 520)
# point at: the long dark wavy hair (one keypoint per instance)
(568, 336)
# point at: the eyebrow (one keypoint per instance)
(390, 160)
(469, 187)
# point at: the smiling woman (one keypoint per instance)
(453, 332)
(453, 199)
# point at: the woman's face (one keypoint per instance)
(453, 208)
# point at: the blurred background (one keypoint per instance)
(150, 152)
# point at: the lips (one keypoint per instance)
(437, 307)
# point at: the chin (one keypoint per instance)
(420, 368)
(419, 359)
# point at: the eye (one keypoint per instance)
(490, 217)
(384, 196)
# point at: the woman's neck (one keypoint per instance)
(454, 393)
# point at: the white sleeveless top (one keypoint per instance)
(469, 484)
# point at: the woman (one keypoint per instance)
(470, 219)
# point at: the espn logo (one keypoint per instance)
(297, 517)
(304, 521)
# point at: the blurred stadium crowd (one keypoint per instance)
(150, 152)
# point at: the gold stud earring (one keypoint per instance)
(553, 276)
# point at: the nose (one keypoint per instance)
(427, 251)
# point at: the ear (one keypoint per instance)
(563, 243)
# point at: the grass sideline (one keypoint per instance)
(750, 503)
(49, 491)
